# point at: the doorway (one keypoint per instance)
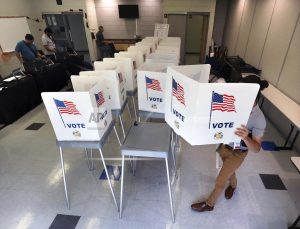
(193, 30)
(69, 31)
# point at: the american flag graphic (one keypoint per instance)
(178, 91)
(120, 77)
(223, 102)
(100, 98)
(66, 107)
(153, 84)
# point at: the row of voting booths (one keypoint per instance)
(149, 72)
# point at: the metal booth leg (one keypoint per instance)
(89, 158)
(170, 192)
(122, 126)
(133, 101)
(122, 184)
(117, 135)
(128, 109)
(64, 176)
(109, 182)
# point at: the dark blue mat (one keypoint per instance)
(269, 146)
(64, 222)
(114, 173)
(35, 126)
(272, 181)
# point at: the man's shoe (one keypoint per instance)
(229, 192)
(201, 207)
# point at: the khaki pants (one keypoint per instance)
(232, 159)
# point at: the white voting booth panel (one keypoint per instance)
(130, 73)
(204, 113)
(161, 30)
(155, 39)
(144, 49)
(148, 46)
(138, 55)
(168, 49)
(151, 84)
(116, 88)
(150, 43)
(79, 116)
(163, 58)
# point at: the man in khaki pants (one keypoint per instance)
(251, 136)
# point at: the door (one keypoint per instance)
(76, 31)
(196, 35)
(69, 30)
(177, 28)
(57, 24)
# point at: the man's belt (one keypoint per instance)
(236, 150)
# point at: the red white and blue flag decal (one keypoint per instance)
(100, 98)
(224, 103)
(66, 107)
(153, 84)
(178, 91)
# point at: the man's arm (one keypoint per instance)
(18, 55)
(47, 48)
(253, 144)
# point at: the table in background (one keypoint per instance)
(52, 78)
(17, 98)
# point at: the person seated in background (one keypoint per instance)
(26, 51)
(49, 44)
(251, 137)
(104, 48)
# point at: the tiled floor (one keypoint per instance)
(31, 188)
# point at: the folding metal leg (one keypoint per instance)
(92, 160)
(117, 135)
(128, 109)
(122, 126)
(89, 157)
(64, 176)
(133, 101)
(122, 184)
(109, 182)
(170, 191)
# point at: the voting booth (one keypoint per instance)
(133, 57)
(161, 30)
(163, 58)
(113, 81)
(115, 89)
(130, 73)
(74, 114)
(80, 120)
(136, 55)
(155, 39)
(204, 113)
(149, 43)
(151, 84)
(144, 49)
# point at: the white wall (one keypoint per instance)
(173, 6)
(16, 8)
(150, 12)
(219, 22)
(266, 33)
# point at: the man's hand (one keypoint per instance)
(242, 132)
(253, 143)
